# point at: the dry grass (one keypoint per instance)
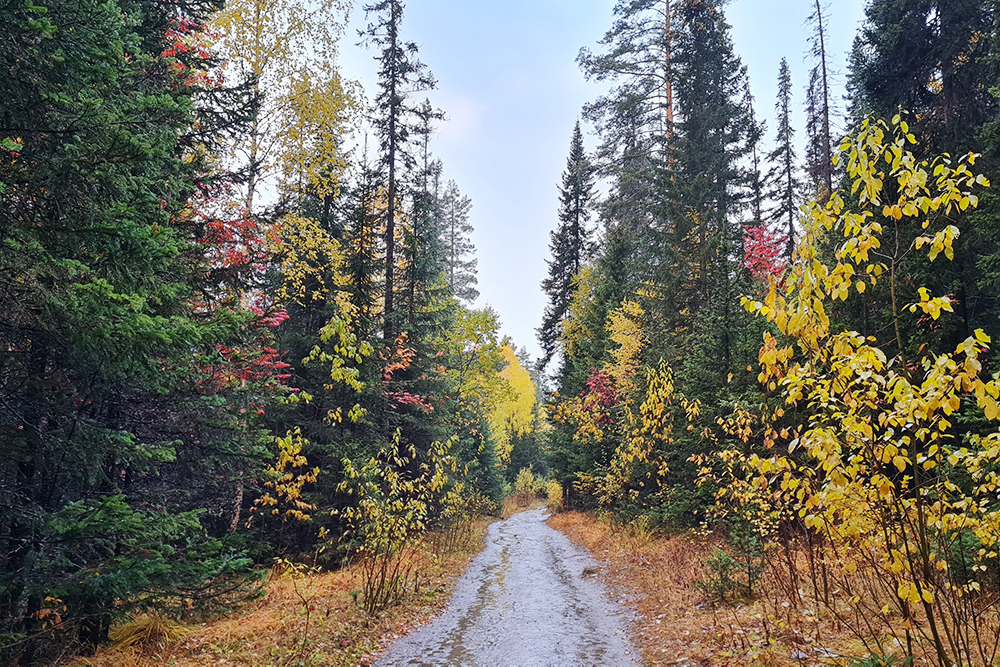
(149, 631)
(656, 576)
(273, 631)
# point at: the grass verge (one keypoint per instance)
(656, 577)
(311, 620)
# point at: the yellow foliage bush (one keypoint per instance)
(554, 496)
(394, 494)
(899, 499)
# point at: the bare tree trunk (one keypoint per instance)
(390, 223)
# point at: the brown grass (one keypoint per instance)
(272, 631)
(656, 577)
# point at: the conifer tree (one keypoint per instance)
(458, 249)
(112, 431)
(783, 184)
(819, 143)
(639, 110)
(569, 244)
(754, 136)
(394, 116)
(361, 243)
(424, 252)
(816, 149)
(929, 57)
(703, 181)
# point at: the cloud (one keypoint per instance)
(464, 118)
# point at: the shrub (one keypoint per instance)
(524, 487)
(396, 492)
(554, 496)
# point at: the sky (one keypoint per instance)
(511, 89)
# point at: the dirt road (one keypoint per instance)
(530, 599)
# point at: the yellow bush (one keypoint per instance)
(554, 492)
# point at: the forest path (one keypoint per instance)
(530, 599)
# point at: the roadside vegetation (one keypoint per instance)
(796, 357)
(306, 617)
(249, 410)
(238, 351)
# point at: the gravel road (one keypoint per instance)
(530, 599)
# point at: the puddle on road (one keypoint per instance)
(523, 601)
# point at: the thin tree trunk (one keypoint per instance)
(390, 223)
(828, 171)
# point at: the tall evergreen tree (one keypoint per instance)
(394, 116)
(457, 247)
(783, 183)
(361, 243)
(112, 432)
(819, 143)
(637, 57)
(704, 182)
(930, 57)
(636, 118)
(569, 244)
(818, 159)
(754, 137)
(424, 250)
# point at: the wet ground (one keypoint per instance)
(530, 599)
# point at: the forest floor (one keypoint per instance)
(656, 576)
(275, 630)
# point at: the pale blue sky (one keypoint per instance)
(509, 83)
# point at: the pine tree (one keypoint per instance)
(639, 111)
(458, 249)
(783, 184)
(394, 117)
(569, 244)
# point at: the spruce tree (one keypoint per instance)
(932, 59)
(704, 181)
(818, 158)
(569, 244)
(113, 433)
(423, 243)
(361, 243)
(394, 116)
(782, 182)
